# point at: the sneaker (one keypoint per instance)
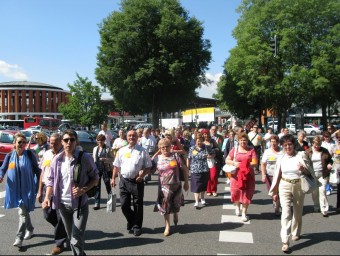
(328, 192)
(214, 194)
(197, 205)
(237, 211)
(28, 235)
(203, 202)
(245, 218)
(17, 242)
(325, 214)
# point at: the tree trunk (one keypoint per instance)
(324, 116)
(155, 117)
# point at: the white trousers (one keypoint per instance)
(319, 195)
(291, 221)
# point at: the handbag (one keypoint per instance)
(308, 183)
(334, 177)
(230, 168)
(111, 201)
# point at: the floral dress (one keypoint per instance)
(169, 185)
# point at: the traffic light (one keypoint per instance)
(274, 45)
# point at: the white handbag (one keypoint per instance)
(230, 168)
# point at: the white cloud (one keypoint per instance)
(206, 91)
(12, 71)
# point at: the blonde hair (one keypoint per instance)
(164, 142)
(170, 132)
(41, 136)
(317, 140)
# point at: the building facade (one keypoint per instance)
(22, 98)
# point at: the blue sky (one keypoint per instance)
(50, 41)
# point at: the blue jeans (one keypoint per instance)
(75, 228)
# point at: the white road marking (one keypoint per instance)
(229, 206)
(236, 237)
(2, 194)
(233, 219)
(2, 215)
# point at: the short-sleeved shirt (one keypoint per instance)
(131, 160)
(269, 157)
(198, 159)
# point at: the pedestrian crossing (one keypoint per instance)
(2, 194)
(233, 236)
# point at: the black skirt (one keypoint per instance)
(199, 182)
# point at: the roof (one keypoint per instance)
(20, 84)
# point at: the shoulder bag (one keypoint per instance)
(308, 183)
(230, 168)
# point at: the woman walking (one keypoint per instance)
(268, 163)
(242, 183)
(21, 167)
(322, 165)
(169, 166)
(199, 170)
(286, 185)
(103, 158)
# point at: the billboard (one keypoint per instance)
(197, 115)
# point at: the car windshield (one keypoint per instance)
(7, 138)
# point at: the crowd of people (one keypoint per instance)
(60, 175)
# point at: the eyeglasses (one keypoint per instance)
(69, 139)
(22, 142)
(288, 145)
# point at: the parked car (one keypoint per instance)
(291, 128)
(6, 143)
(86, 140)
(311, 129)
(143, 125)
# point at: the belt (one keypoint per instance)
(293, 181)
(129, 180)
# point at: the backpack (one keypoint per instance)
(76, 175)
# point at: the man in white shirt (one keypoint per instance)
(51, 215)
(256, 139)
(132, 162)
(108, 135)
(148, 142)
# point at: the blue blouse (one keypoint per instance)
(198, 158)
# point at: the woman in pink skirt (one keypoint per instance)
(242, 183)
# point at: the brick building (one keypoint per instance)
(23, 98)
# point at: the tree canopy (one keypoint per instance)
(84, 103)
(305, 73)
(152, 56)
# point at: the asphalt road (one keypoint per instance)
(212, 230)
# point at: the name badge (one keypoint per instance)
(271, 158)
(194, 152)
(173, 163)
(47, 163)
(127, 155)
(11, 165)
(337, 151)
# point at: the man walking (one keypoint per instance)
(51, 215)
(108, 135)
(133, 163)
(69, 192)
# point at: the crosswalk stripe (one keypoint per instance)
(2, 215)
(2, 194)
(227, 196)
(227, 188)
(228, 207)
(236, 237)
(233, 219)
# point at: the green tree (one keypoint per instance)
(84, 103)
(306, 71)
(152, 56)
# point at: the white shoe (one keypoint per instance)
(17, 242)
(237, 211)
(328, 192)
(197, 205)
(203, 202)
(28, 235)
(245, 218)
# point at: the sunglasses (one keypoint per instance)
(22, 142)
(69, 139)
